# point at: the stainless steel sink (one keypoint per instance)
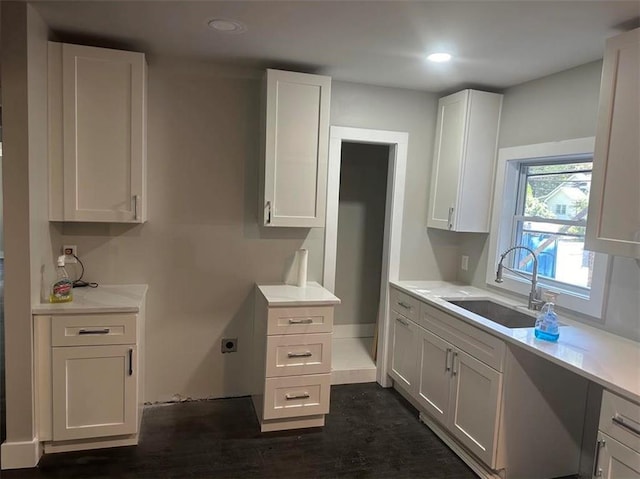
(497, 313)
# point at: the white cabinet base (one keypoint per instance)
(88, 444)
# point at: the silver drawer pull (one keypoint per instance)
(404, 305)
(306, 354)
(291, 397)
(301, 321)
(402, 321)
(619, 420)
(94, 331)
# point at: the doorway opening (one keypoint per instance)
(347, 267)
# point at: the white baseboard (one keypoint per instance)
(364, 330)
(20, 455)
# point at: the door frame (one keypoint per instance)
(396, 176)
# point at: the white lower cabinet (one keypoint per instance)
(88, 375)
(618, 447)
(460, 392)
(615, 460)
(404, 348)
(291, 381)
(94, 391)
(500, 408)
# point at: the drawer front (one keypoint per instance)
(300, 320)
(297, 396)
(94, 329)
(620, 419)
(473, 341)
(294, 354)
(404, 304)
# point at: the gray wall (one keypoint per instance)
(30, 236)
(202, 251)
(561, 107)
(361, 215)
(431, 254)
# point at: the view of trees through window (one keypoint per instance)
(551, 219)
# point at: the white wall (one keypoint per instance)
(560, 107)
(361, 217)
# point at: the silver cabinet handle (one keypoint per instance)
(454, 363)
(619, 420)
(130, 362)
(402, 321)
(84, 332)
(306, 354)
(404, 305)
(597, 471)
(450, 219)
(291, 397)
(301, 321)
(268, 207)
(446, 360)
(136, 202)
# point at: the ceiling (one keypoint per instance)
(496, 44)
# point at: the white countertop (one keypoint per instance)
(103, 299)
(288, 295)
(604, 358)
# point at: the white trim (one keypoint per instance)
(507, 170)
(20, 454)
(398, 142)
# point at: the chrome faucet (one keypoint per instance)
(535, 302)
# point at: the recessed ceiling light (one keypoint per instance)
(440, 57)
(224, 25)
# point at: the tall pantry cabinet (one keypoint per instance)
(97, 134)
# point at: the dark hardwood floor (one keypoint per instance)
(370, 432)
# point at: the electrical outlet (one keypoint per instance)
(68, 251)
(464, 264)
(229, 345)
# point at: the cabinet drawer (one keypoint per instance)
(300, 320)
(96, 329)
(620, 419)
(479, 344)
(297, 396)
(404, 304)
(298, 354)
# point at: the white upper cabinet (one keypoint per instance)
(613, 225)
(97, 134)
(296, 149)
(463, 161)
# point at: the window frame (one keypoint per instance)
(508, 171)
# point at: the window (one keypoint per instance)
(541, 202)
(541, 221)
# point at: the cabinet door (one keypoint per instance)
(404, 352)
(447, 159)
(94, 391)
(614, 460)
(475, 405)
(296, 149)
(435, 356)
(613, 224)
(103, 105)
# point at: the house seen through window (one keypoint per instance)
(550, 218)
